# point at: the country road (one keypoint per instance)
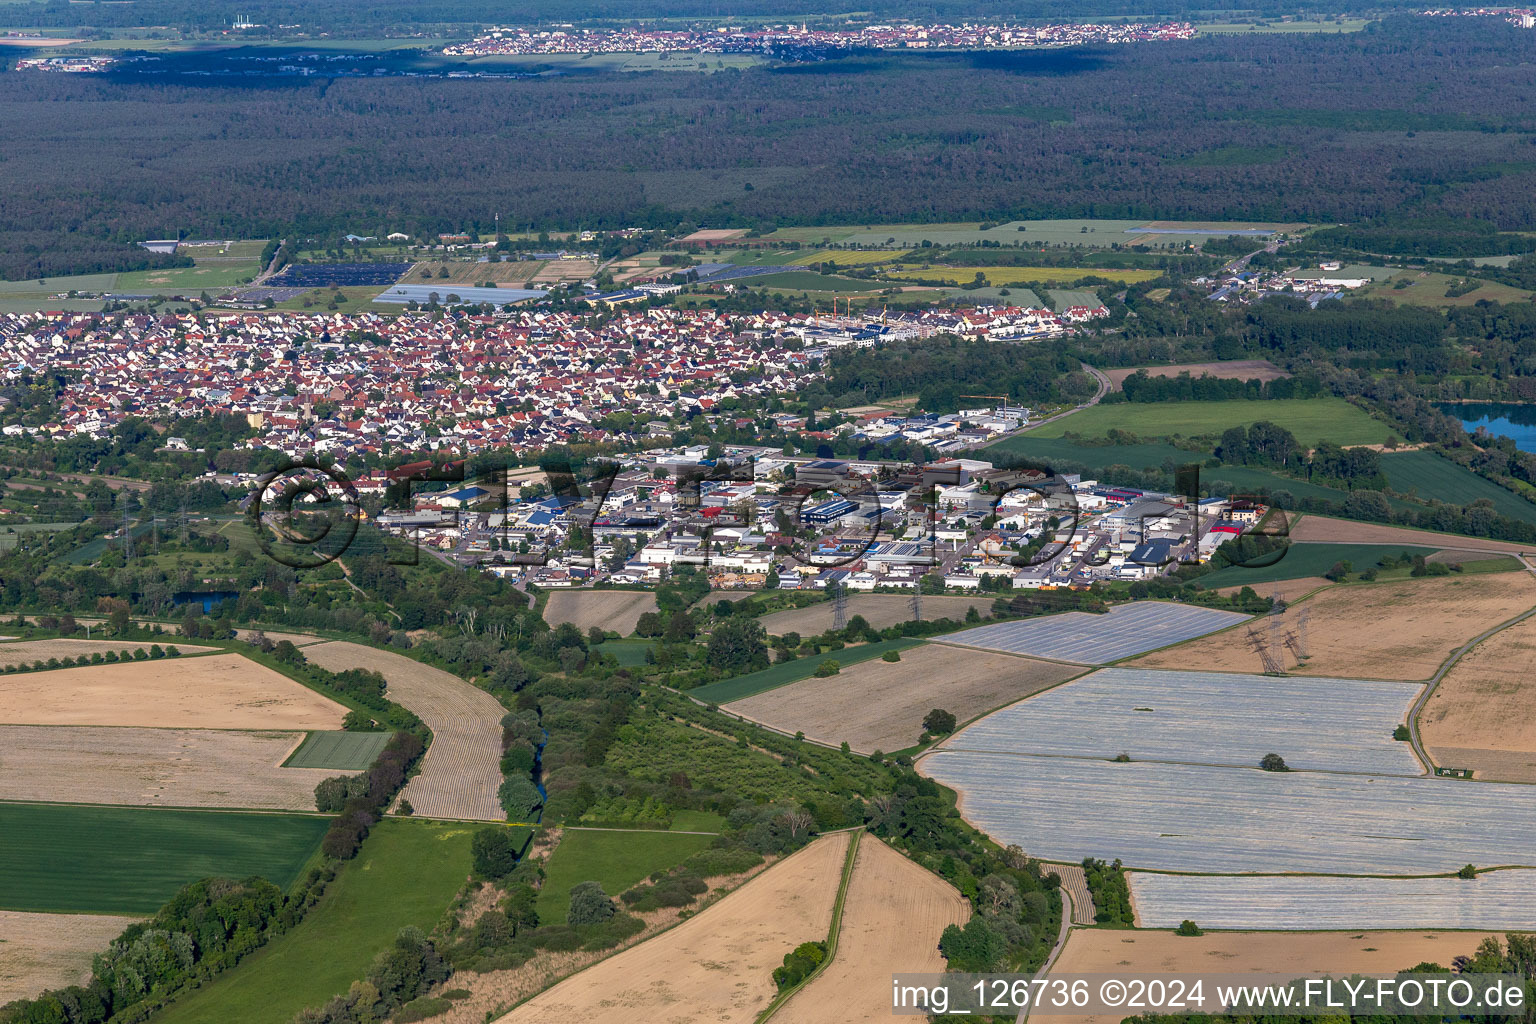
(1097, 375)
(462, 770)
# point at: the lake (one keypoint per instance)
(1517, 422)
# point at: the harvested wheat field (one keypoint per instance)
(615, 611)
(1347, 531)
(1123, 953)
(1399, 630)
(879, 610)
(462, 768)
(715, 966)
(155, 767)
(1232, 369)
(41, 951)
(29, 651)
(892, 918)
(220, 691)
(875, 705)
(1483, 713)
(1285, 590)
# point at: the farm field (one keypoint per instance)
(461, 771)
(30, 651)
(619, 860)
(1208, 718)
(1005, 276)
(156, 767)
(892, 916)
(1252, 480)
(130, 860)
(879, 610)
(688, 973)
(1305, 560)
(218, 691)
(1347, 531)
(1055, 451)
(789, 671)
(1402, 629)
(1232, 369)
(1495, 900)
(798, 280)
(405, 875)
(1428, 475)
(611, 610)
(338, 751)
(1098, 233)
(1483, 713)
(876, 705)
(1088, 638)
(1428, 289)
(43, 951)
(470, 273)
(1310, 419)
(1175, 817)
(1125, 953)
(1284, 590)
(847, 258)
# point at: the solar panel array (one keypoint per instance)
(1092, 639)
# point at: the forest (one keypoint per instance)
(347, 17)
(1354, 126)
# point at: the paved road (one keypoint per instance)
(1097, 375)
(462, 769)
(1067, 914)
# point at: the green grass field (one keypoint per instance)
(1052, 450)
(1310, 419)
(618, 860)
(406, 874)
(1428, 475)
(130, 860)
(629, 653)
(207, 275)
(786, 672)
(810, 281)
(1428, 289)
(344, 751)
(1307, 560)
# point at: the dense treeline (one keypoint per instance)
(1143, 387)
(940, 372)
(205, 928)
(895, 137)
(338, 16)
(1440, 236)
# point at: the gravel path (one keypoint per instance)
(461, 772)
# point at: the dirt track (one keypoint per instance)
(40, 951)
(892, 919)
(219, 691)
(462, 770)
(155, 767)
(875, 705)
(716, 966)
(1483, 713)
